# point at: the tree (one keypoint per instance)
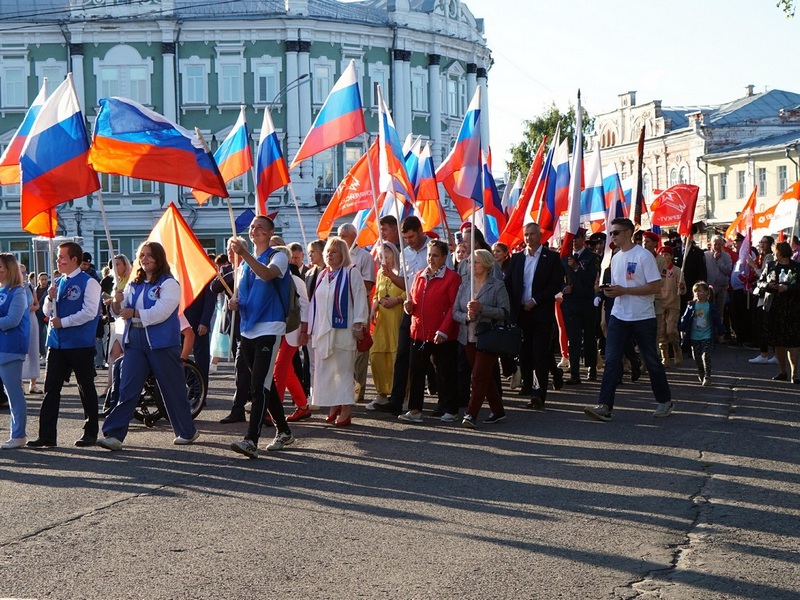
(545, 124)
(787, 6)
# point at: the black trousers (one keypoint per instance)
(260, 354)
(59, 365)
(445, 356)
(401, 363)
(580, 322)
(535, 356)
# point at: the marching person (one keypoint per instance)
(73, 308)
(152, 342)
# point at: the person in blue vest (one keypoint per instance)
(152, 341)
(73, 308)
(14, 333)
(262, 300)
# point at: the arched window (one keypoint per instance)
(683, 176)
(123, 72)
(673, 177)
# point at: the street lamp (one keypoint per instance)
(294, 83)
(78, 219)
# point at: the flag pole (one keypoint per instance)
(228, 198)
(365, 135)
(297, 210)
(255, 188)
(108, 236)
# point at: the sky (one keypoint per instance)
(682, 52)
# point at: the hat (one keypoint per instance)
(86, 257)
(465, 225)
(651, 236)
(665, 250)
(739, 236)
(597, 237)
(581, 233)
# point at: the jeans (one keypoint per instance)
(644, 334)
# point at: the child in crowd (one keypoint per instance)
(702, 324)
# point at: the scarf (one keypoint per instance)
(340, 298)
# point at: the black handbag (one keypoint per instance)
(498, 338)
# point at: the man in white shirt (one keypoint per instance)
(635, 279)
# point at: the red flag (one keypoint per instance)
(575, 184)
(512, 234)
(353, 194)
(675, 206)
(740, 223)
(189, 263)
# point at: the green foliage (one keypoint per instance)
(787, 6)
(545, 124)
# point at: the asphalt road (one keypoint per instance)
(702, 505)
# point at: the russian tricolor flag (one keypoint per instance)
(426, 190)
(461, 172)
(9, 162)
(392, 160)
(233, 157)
(134, 141)
(593, 200)
(575, 184)
(556, 192)
(271, 171)
(53, 161)
(341, 118)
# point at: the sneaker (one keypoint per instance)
(376, 403)
(299, 414)
(493, 418)
(410, 417)
(281, 440)
(601, 412)
(563, 363)
(109, 443)
(182, 441)
(516, 379)
(448, 418)
(14, 443)
(759, 360)
(468, 422)
(246, 447)
(773, 360)
(664, 409)
(706, 381)
(212, 368)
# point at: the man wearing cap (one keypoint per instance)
(580, 276)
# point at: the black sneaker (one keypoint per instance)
(493, 418)
(390, 407)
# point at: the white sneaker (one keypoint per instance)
(759, 360)
(773, 360)
(246, 447)
(516, 379)
(378, 401)
(563, 363)
(664, 409)
(13, 443)
(182, 441)
(212, 368)
(281, 441)
(410, 417)
(448, 418)
(109, 443)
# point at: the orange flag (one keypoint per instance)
(189, 263)
(744, 218)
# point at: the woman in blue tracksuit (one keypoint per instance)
(14, 332)
(149, 305)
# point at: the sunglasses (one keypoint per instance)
(615, 233)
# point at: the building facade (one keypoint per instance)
(198, 63)
(724, 149)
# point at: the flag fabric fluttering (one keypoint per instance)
(9, 161)
(494, 219)
(739, 224)
(556, 192)
(242, 222)
(511, 195)
(354, 192)
(271, 170)
(744, 224)
(461, 172)
(341, 117)
(593, 201)
(393, 174)
(637, 193)
(785, 214)
(134, 141)
(512, 234)
(615, 207)
(234, 157)
(188, 260)
(426, 191)
(53, 161)
(675, 206)
(575, 184)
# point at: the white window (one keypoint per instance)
(142, 186)
(110, 184)
(352, 154)
(740, 184)
(419, 90)
(762, 181)
(267, 79)
(379, 76)
(230, 67)
(123, 72)
(238, 184)
(324, 169)
(55, 72)
(462, 98)
(14, 92)
(783, 181)
(723, 186)
(683, 176)
(646, 187)
(103, 255)
(673, 177)
(194, 80)
(322, 73)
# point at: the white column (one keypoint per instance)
(435, 106)
(397, 106)
(291, 104)
(169, 101)
(304, 93)
(483, 81)
(76, 54)
(472, 84)
(408, 114)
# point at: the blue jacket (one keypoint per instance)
(69, 301)
(717, 328)
(14, 339)
(258, 299)
(161, 335)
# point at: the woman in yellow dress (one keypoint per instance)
(386, 314)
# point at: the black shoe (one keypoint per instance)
(41, 443)
(636, 373)
(233, 418)
(780, 377)
(573, 381)
(390, 408)
(85, 442)
(558, 379)
(493, 418)
(536, 404)
(525, 391)
(592, 373)
(4, 406)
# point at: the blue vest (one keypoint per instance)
(69, 301)
(258, 300)
(161, 335)
(15, 339)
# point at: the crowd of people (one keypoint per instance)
(416, 311)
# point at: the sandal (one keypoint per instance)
(34, 391)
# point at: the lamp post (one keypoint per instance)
(78, 219)
(294, 83)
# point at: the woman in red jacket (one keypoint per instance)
(433, 333)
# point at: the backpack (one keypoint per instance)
(293, 310)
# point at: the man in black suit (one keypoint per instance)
(534, 278)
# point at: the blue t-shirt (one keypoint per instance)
(701, 321)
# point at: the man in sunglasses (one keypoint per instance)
(635, 279)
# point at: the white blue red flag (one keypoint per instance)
(9, 162)
(271, 170)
